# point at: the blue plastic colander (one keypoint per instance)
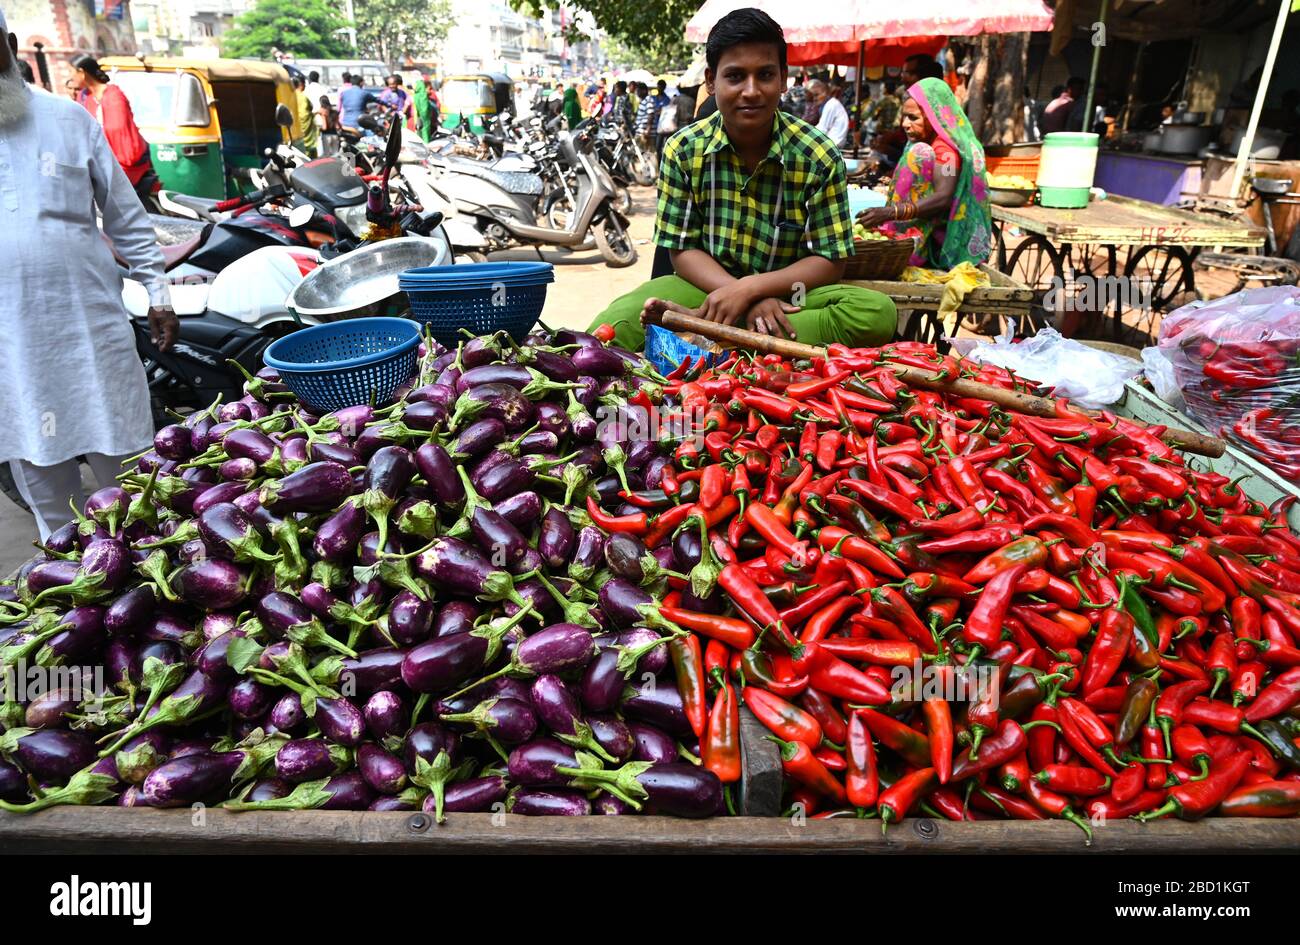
(354, 361)
(479, 297)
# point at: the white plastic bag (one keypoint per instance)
(1087, 376)
(1160, 372)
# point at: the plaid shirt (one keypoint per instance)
(794, 205)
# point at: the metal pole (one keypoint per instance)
(857, 94)
(352, 24)
(1092, 75)
(1248, 141)
(42, 66)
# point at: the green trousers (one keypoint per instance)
(847, 314)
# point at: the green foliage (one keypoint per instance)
(652, 33)
(308, 29)
(391, 30)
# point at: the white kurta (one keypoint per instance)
(70, 379)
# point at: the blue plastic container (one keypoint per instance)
(479, 297)
(354, 361)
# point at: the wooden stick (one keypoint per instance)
(729, 337)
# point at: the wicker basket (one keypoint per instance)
(879, 259)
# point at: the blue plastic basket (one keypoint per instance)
(354, 361)
(667, 350)
(479, 297)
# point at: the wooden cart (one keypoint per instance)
(1006, 301)
(1058, 248)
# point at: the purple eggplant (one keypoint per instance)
(459, 568)
(557, 539)
(287, 714)
(285, 616)
(643, 651)
(603, 681)
(394, 802)
(558, 710)
(478, 351)
(516, 375)
(425, 415)
(440, 395)
(554, 419)
(373, 670)
(426, 741)
(52, 755)
(509, 721)
(250, 699)
(293, 453)
(268, 789)
(130, 610)
(438, 470)
(528, 563)
(558, 648)
(503, 480)
(626, 604)
(50, 709)
(229, 533)
(340, 721)
(493, 402)
(223, 492)
(190, 779)
(174, 442)
(477, 439)
(628, 558)
(443, 663)
(477, 795)
(503, 687)
(385, 715)
(613, 735)
(342, 453)
(388, 472)
(336, 538)
(307, 759)
(588, 555)
(409, 619)
(538, 442)
(382, 771)
(534, 763)
(213, 584)
(550, 803)
(316, 487)
(107, 506)
(78, 635)
(609, 805)
(658, 703)
(13, 786)
(522, 510)
(456, 617)
(105, 565)
(62, 540)
(496, 537)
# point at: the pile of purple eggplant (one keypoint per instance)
(400, 607)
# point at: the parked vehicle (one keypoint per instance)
(476, 97)
(207, 121)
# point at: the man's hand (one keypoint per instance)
(728, 304)
(770, 317)
(875, 216)
(164, 327)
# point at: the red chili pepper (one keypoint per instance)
(1198, 798)
(911, 745)
(835, 677)
(876, 652)
(885, 498)
(721, 750)
(938, 722)
(901, 796)
(1114, 636)
(1281, 695)
(635, 524)
(734, 633)
(801, 765)
(713, 485)
(688, 662)
(821, 623)
(1028, 552)
(782, 718)
(861, 782)
(984, 625)
(982, 539)
(749, 597)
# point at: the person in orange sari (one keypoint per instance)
(109, 105)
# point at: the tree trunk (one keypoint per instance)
(995, 104)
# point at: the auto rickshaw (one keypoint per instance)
(207, 121)
(477, 97)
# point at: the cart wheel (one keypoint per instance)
(1096, 264)
(1158, 279)
(1036, 263)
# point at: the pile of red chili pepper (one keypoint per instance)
(1125, 626)
(1235, 361)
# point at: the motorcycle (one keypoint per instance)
(503, 206)
(236, 316)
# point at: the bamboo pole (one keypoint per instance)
(730, 337)
(1248, 140)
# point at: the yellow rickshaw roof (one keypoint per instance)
(218, 69)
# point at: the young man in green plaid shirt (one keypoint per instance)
(753, 208)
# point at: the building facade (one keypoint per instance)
(53, 32)
(491, 37)
(191, 28)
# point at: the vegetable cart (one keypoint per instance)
(1007, 297)
(1159, 246)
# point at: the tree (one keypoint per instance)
(309, 29)
(658, 54)
(655, 31)
(391, 30)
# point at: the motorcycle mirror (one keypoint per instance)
(301, 215)
(283, 117)
(394, 145)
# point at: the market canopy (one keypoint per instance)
(866, 20)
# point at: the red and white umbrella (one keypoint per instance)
(865, 20)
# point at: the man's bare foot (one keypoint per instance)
(653, 310)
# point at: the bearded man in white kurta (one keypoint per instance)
(71, 382)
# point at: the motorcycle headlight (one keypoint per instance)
(353, 217)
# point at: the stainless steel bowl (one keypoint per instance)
(360, 282)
